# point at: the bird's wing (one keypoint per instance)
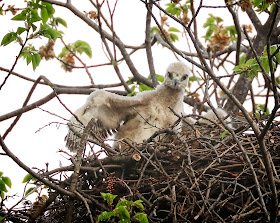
(109, 111)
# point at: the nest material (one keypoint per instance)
(194, 176)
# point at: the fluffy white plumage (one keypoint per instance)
(135, 118)
(212, 116)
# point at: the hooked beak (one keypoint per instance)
(175, 82)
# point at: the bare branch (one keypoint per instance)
(17, 57)
(149, 46)
(118, 42)
(238, 30)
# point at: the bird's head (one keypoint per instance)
(177, 75)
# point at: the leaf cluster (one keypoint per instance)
(4, 181)
(124, 210)
(36, 14)
(264, 5)
(213, 26)
(79, 46)
(251, 68)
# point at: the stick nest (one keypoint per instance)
(192, 176)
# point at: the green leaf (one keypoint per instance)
(232, 32)
(138, 204)
(45, 15)
(210, 21)
(192, 78)
(224, 134)
(272, 51)
(20, 30)
(105, 216)
(3, 186)
(27, 178)
(143, 87)
(265, 63)
(28, 58)
(29, 190)
(173, 9)
(125, 203)
(7, 181)
(108, 197)
(154, 29)
(34, 27)
(1, 173)
(34, 16)
(261, 107)
(251, 61)
(173, 29)
(83, 47)
(36, 59)
(21, 16)
(61, 21)
(210, 31)
(278, 80)
(47, 31)
(123, 213)
(257, 2)
(8, 38)
(50, 9)
(173, 37)
(64, 50)
(141, 217)
(160, 78)
(242, 59)
(1, 218)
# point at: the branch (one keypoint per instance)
(99, 86)
(254, 19)
(238, 30)
(248, 161)
(17, 57)
(31, 172)
(118, 42)
(112, 59)
(149, 45)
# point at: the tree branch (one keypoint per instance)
(118, 42)
(149, 45)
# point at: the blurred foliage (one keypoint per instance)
(4, 183)
(124, 210)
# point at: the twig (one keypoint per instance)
(17, 57)
(149, 46)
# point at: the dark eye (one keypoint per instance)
(170, 75)
(184, 77)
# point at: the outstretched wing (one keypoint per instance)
(109, 111)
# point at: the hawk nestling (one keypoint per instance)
(134, 118)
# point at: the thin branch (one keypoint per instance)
(79, 59)
(17, 57)
(31, 172)
(238, 30)
(99, 86)
(149, 46)
(113, 60)
(118, 42)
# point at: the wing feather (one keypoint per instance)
(109, 111)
